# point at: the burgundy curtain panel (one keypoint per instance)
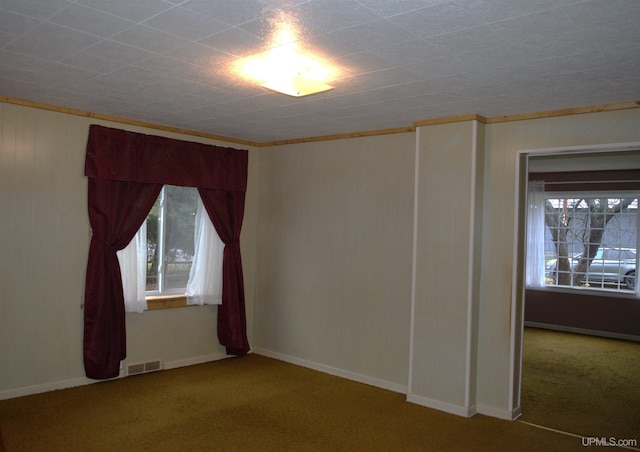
(126, 171)
(226, 210)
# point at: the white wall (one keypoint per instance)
(499, 299)
(323, 299)
(44, 241)
(443, 363)
(334, 255)
(327, 253)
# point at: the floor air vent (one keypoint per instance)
(143, 368)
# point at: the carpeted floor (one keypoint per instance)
(585, 385)
(252, 403)
(589, 387)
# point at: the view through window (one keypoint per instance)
(170, 240)
(591, 240)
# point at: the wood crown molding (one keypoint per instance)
(412, 128)
(120, 120)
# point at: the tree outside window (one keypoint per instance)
(170, 239)
(591, 241)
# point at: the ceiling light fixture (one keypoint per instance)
(286, 68)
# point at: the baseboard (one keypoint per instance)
(81, 381)
(195, 360)
(46, 387)
(500, 413)
(442, 406)
(568, 329)
(383, 384)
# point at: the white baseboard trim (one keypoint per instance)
(499, 412)
(383, 384)
(46, 387)
(81, 381)
(442, 406)
(195, 360)
(568, 329)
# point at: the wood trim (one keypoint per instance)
(421, 123)
(167, 302)
(576, 181)
(451, 119)
(119, 120)
(340, 136)
(565, 112)
(588, 176)
(582, 187)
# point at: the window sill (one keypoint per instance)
(587, 291)
(167, 302)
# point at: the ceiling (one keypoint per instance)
(167, 62)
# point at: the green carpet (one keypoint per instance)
(586, 385)
(252, 403)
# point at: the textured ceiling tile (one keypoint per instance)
(331, 46)
(497, 10)
(321, 14)
(165, 65)
(380, 79)
(12, 73)
(362, 62)
(61, 76)
(387, 8)
(22, 61)
(233, 13)
(150, 39)
(136, 76)
(468, 40)
(269, 26)
(21, 89)
(399, 60)
(438, 66)
(14, 24)
(91, 61)
(604, 13)
(436, 20)
(544, 24)
(72, 99)
(35, 8)
(136, 11)
(199, 54)
(400, 54)
(51, 42)
(186, 23)
(90, 20)
(122, 54)
(375, 34)
(234, 41)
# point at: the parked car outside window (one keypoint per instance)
(615, 266)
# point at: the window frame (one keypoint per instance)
(571, 190)
(160, 293)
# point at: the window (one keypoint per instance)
(591, 240)
(175, 258)
(170, 240)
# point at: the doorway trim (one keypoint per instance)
(518, 276)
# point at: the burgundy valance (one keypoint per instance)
(114, 154)
(126, 171)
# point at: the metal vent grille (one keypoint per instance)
(142, 368)
(152, 366)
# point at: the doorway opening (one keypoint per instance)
(557, 349)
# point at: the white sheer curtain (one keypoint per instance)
(205, 277)
(535, 235)
(133, 267)
(637, 248)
